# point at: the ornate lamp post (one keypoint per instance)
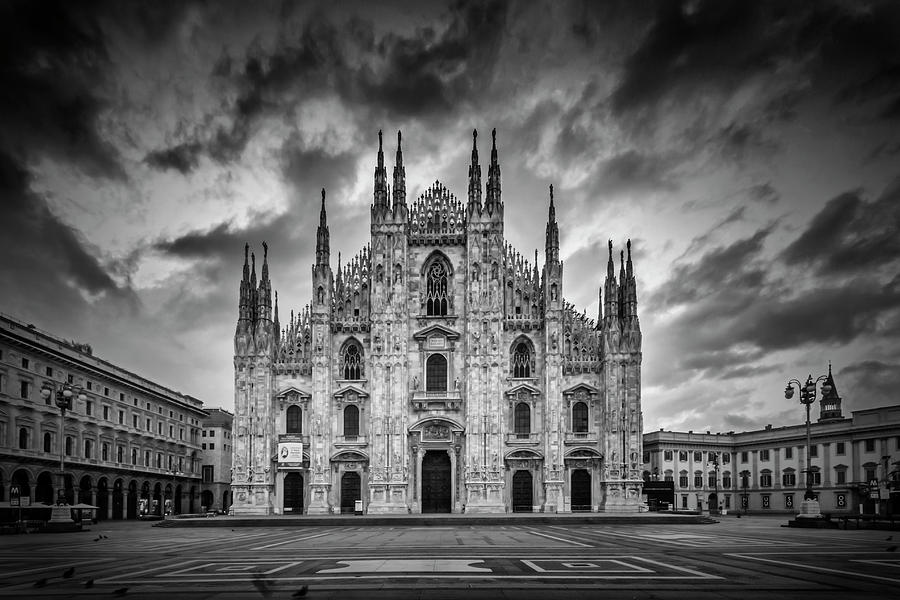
(63, 395)
(809, 508)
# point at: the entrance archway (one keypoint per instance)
(293, 493)
(84, 490)
(44, 491)
(156, 504)
(581, 490)
(118, 500)
(351, 491)
(20, 479)
(523, 499)
(133, 500)
(206, 500)
(436, 482)
(102, 499)
(713, 503)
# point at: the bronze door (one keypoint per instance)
(522, 491)
(436, 484)
(351, 487)
(293, 493)
(581, 490)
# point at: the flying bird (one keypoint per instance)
(69, 572)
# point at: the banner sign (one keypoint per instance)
(290, 451)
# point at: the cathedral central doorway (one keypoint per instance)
(436, 482)
(351, 491)
(293, 493)
(581, 490)
(522, 491)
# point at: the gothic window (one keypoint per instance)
(436, 290)
(521, 361)
(351, 421)
(294, 419)
(522, 419)
(436, 373)
(320, 295)
(352, 359)
(580, 417)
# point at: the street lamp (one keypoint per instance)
(63, 395)
(810, 506)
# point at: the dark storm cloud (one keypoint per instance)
(429, 74)
(868, 379)
(311, 169)
(850, 234)
(633, 170)
(53, 59)
(183, 157)
(51, 259)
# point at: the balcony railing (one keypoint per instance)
(581, 437)
(449, 400)
(523, 439)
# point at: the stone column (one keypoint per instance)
(109, 503)
(454, 501)
(417, 485)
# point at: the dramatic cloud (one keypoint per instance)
(745, 147)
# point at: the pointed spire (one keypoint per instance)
(610, 267)
(246, 264)
(399, 176)
(265, 267)
(252, 270)
(474, 177)
(628, 266)
(381, 195)
(610, 289)
(277, 325)
(322, 236)
(492, 201)
(552, 236)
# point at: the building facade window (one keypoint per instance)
(870, 445)
(48, 441)
(840, 476)
(667, 455)
(765, 479)
(726, 458)
(788, 453)
(23, 438)
(698, 479)
(764, 455)
(294, 419)
(68, 446)
(726, 480)
(436, 297)
(840, 448)
(813, 451)
(682, 455)
(436, 373)
(521, 361)
(580, 417)
(208, 473)
(23, 389)
(788, 479)
(351, 421)
(744, 456)
(353, 364)
(711, 480)
(104, 452)
(120, 454)
(88, 449)
(523, 420)
(683, 479)
(698, 457)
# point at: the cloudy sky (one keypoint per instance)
(751, 151)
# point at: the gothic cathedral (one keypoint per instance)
(437, 371)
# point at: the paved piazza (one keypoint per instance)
(736, 558)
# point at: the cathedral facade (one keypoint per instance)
(437, 370)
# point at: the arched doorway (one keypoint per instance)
(44, 491)
(176, 504)
(118, 500)
(351, 491)
(713, 503)
(157, 504)
(21, 479)
(132, 500)
(523, 499)
(84, 490)
(145, 499)
(293, 493)
(581, 490)
(192, 496)
(102, 499)
(206, 500)
(436, 482)
(70, 488)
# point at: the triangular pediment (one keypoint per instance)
(292, 390)
(523, 387)
(436, 329)
(582, 386)
(351, 389)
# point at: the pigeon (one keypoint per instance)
(301, 592)
(89, 583)
(120, 591)
(68, 572)
(96, 539)
(892, 548)
(40, 583)
(260, 584)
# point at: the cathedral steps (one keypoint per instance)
(441, 520)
